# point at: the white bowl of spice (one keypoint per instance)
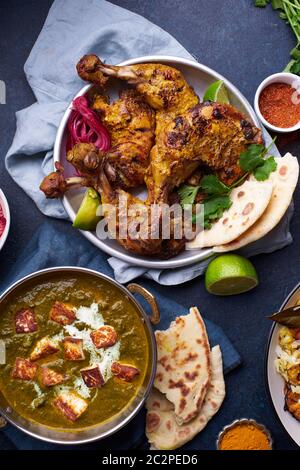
(277, 102)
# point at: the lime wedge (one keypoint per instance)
(217, 92)
(229, 275)
(86, 217)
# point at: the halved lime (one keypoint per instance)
(86, 217)
(217, 92)
(229, 275)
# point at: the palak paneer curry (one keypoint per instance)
(76, 350)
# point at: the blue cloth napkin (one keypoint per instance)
(50, 247)
(74, 28)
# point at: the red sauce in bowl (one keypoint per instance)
(278, 105)
(2, 221)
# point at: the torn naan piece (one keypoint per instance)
(183, 364)
(249, 201)
(284, 183)
(162, 430)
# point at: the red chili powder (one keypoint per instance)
(277, 107)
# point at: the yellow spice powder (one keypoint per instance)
(245, 436)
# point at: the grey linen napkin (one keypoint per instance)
(74, 28)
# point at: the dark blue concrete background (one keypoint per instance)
(243, 43)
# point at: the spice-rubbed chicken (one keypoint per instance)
(142, 234)
(131, 125)
(137, 235)
(188, 135)
(209, 135)
(162, 87)
(292, 401)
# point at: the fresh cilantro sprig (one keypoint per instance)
(218, 194)
(187, 194)
(217, 202)
(211, 185)
(213, 209)
(289, 11)
(253, 161)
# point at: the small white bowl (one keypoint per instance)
(282, 77)
(6, 213)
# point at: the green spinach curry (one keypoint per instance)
(77, 350)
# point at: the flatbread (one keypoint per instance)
(162, 430)
(249, 201)
(284, 183)
(183, 364)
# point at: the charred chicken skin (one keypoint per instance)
(141, 223)
(209, 135)
(131, 125)
(188, 134)
(292, 402)
(189, 137)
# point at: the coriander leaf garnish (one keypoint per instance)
(212, 185)
(214, 207)
(218, 194)
(187, 194)
(263, 171)
(253, 159)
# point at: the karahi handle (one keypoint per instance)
(155, 312)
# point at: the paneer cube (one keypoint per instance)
(25, 321)
(104, 337)
(124, 371)
(62, 313)
(43, 348)
(50, 377)
(92, 376)
(70, 404)
(73, 349)
(24, 369)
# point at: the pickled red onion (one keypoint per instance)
(84, 126)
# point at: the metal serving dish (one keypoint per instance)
(96, 432)
(200, 77)
(236, 422)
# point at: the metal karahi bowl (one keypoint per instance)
(200, 77)
(105, 429)
(236, 422)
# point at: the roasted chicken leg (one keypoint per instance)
(188, 135)
(131, 125)
(209, 135)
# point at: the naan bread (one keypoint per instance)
(162, 430)
(248, 203)
(183, 364)
(284, 183)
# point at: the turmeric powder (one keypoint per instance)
(245, 436)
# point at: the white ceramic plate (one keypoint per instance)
(199, 76)
(275, 381)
